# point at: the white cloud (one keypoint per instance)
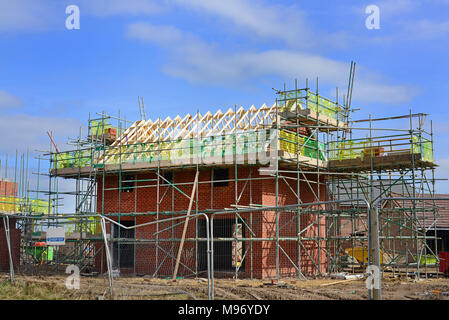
(28, 15)
(390, 8)
(425, 29)
(25, 131)
(252, 18)
(161, 35)
(211, 66)
(201, 62)
(116, 7)
(43, 15)
(405, 24)
(8, 101)
(26, 134)
(259, 18)
(370, 91)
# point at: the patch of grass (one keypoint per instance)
(27, 290)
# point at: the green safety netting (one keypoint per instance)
(294, 143)
(72, 159)
(230, 145)
(182, 149)
(219, 146)
(424, 147)
(348, 149)
(311, 101)
(92, 225)
(15, 205)
(352, 149)
(98, 127)
(323, 106)
(226, 146)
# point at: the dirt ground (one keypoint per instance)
(96, 288)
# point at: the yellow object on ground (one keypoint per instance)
(361, 254)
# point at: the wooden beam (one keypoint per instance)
(184, 231)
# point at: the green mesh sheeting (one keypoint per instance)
(181, 149)
(323, 106)
(224, 147)
(360, 148)
(90, 225)
(228, 146)
(14, 205)
(347, 150)
(294, 143)
(311, 101)
(424, 147)
(72, 159)
(184, 149)
(98, 127)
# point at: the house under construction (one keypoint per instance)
(288, 189)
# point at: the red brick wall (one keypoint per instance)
(143, 199)
(288, 227)
(15, 246)
(8, 188)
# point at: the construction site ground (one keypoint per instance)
(96, 288)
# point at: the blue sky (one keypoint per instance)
(183, 56)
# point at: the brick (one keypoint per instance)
(143, 199)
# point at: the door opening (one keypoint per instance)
(123, 252)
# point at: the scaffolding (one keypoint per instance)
(288, 189)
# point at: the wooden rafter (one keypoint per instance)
(190, 126)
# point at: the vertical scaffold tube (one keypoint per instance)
(108, 256)
(8, 243)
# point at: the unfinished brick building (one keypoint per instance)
(148, 172)
(270, 179)
(213, 195)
